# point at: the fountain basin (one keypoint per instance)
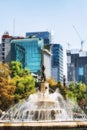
(69, 125)
(43, 111)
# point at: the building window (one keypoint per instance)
(80, 71)
(3, 53)
(3, 44)
(3, 49)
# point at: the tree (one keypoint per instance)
(25, 86)
(4, 70)
(6, 89)
(52, 83)
(63, 89)
(78, 91)
(15, 68)
(15, 84)
(22, 79)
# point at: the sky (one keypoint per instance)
(65, 19)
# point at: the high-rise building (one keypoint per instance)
(6, 47)
(28, 52)
(77, 66)
(45, 35)
(47, 63)
(57, 62)
(31, 53)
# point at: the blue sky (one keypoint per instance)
(56, 16)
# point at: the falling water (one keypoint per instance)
(43, 106)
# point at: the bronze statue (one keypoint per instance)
(43, 76)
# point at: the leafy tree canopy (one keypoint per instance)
(15, 83)
(77, 92)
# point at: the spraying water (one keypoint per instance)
(44, 106)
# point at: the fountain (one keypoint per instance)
(40, 106)
(45, 111)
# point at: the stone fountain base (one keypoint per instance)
(77, 125)
(42, 111)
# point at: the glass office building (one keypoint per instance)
(46, 36)
(77, 65)
(57, 62)
(28, 52)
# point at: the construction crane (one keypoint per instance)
(68, 44)
(82, 41)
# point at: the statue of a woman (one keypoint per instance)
(43, 76)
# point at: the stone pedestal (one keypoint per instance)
(44, 87)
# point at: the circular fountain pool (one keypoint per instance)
(43, 106)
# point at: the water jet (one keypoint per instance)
(45, 111)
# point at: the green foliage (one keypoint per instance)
(71, 95)
(22, 79)
(63, 89)
(6, 89)
(24, 72)
(77, 92)
(17, 98)
(15, 67)
(25, 84)
(4, 70)
(54, 85)
(16, 83)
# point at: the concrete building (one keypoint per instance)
(47, 63)
(6, 47)
(77, 66)
(57, 62)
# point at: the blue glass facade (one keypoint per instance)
(77, 66)
(28, 52)
(46, 36)
(57, 62)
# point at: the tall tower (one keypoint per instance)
(76, 66)
(57, 62)
(45, 35)
(28, 52)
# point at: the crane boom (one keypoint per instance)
(82, 41)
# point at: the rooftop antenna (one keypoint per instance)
(68, 44)
(52, 35)
(14, 27)
(82, 41)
